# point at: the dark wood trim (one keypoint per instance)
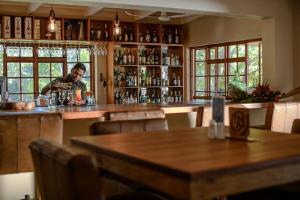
(228, 43)
(269, 116)
(36, 60)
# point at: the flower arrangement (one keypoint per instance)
(260, 93)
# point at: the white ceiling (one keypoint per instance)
(102, 11)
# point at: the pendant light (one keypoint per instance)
(117, 28)
(51, 25)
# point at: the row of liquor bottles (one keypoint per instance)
(99, 33)
(150, 36)
(146, 78)
(76, 29)
(127, 97)
(146, 56)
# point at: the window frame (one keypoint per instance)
(226, 60)
(36, 60)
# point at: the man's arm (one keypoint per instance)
(50, 86)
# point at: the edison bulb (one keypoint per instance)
(117, 30)
(52, 26)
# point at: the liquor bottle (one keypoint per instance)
(175, 97)
(129, 60)
(92, 34)
(134, 79)
(174, 79)
(132, 59)
(153, 80)
(177, 63)
(98, 33)
(156, 57)
(177, 39)
(157, 79)
(141, 37)
(120, 37)
(116, 57)
(120, 58)
(124, 57)
(69, 32)
(130, 34)
(125, 34)
(172, 60)
(163, 36)
(143, 57)
(142, 79)
(179, 96)
(170, 37)
(106, 36)
(148, 37)
(154, 37)
(178, 81)
(81, 30)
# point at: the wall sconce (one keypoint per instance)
(117, 28)
(52, 26)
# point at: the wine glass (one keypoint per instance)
(70, 97)
(61, 97)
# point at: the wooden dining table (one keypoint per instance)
(186, 164)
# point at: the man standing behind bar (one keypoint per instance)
(74, 78)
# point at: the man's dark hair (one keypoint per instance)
(80, 66)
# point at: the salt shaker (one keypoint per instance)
(212, 129)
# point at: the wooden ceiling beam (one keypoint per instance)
(33, 6)
(90, 11)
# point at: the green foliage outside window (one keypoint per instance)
(215, 72)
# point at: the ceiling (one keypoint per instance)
(98, 12)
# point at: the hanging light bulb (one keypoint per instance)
(51, 25)
(117, 28)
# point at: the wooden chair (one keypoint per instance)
(296, 126)
(206, 114)
(107, 127)
(63, 174)
(280, 116)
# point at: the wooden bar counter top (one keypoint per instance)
(101, 110)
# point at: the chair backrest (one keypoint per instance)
(207, 116)
(135, 115)
(107, 127)
(61, 173)
(280, 116)
(296, 126)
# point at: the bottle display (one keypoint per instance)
(148, 72)
(124, 56)
(149, 56)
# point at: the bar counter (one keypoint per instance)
(102, 110)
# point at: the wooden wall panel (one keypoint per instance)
(28, 129)
(8, 145)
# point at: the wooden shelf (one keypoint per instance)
(172, 86)
(156, 70)
(146, 65)
(116, 65)
(149, 44)
(125, 43)
(172, 45)
(121, 87)
(150, 86)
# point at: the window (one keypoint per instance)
(75, 55)
(30, 67)
(215, 66)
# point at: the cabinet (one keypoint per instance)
(146, 69)
(145, 63)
